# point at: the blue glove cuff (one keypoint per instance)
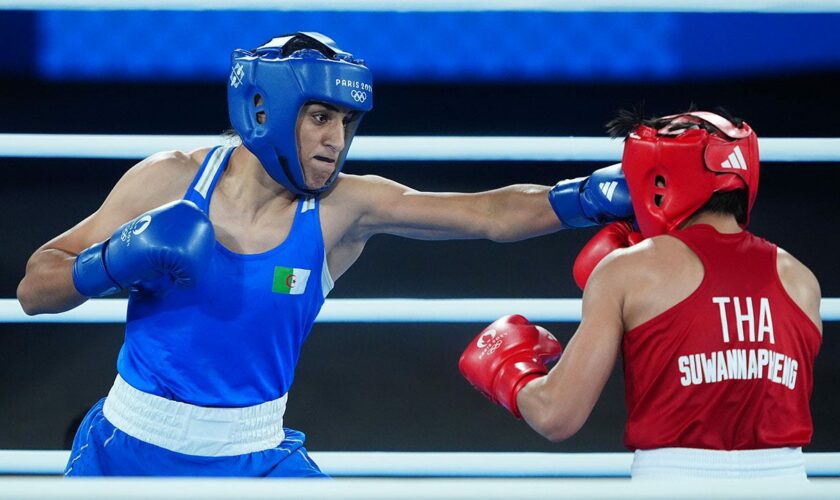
(565, 200)
(90, 277)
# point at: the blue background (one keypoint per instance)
(439, 47)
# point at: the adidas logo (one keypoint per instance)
(735, 160)
(608, 188)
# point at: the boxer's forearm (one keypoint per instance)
(47, 286)
(518, 212)
(543, 413)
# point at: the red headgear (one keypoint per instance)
(673, 171)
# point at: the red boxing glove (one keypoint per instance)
(611, 237)
(507, 355)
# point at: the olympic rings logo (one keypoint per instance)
(358, 95)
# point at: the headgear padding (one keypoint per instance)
(270, 85)
(673, 171)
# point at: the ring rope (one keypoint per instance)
(431, 464)
(371, 489)
(396, 148)
(345, 311)
(370, 311)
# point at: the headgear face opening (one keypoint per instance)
(673, 171)
(268, 87)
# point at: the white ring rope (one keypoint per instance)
(431, 464)
(396, 148)
(370, 311)
(344, 311)
(766, 6)
(391, 489)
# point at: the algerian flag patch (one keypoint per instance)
(290, 280)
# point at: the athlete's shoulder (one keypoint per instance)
(790, 266)
(801, 285)
(354, 182)
(649, 267)
(648, 255)
(174, 167)
(357, 189)
(158, 179)
(177, 162)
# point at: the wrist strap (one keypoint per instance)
(565, 200)
(90, 275)
(518, 387)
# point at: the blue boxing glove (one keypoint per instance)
(589, 201)
(170, 244)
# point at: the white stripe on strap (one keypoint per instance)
(203, 184)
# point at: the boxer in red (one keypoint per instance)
(717, 327)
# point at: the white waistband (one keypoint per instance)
(194, 430)
(782, 463)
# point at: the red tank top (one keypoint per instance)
(731, 366)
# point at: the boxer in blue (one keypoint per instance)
(229, 253)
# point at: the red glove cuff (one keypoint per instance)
(514, 409)
(513, 376)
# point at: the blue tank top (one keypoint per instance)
(235, 338)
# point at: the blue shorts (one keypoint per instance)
(100, 449)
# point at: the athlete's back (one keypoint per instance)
(726, 367)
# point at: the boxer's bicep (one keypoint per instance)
(47, 283)
(159, 179)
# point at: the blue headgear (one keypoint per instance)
(276, 83)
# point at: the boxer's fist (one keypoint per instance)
(613, 236)
(507, 355)
(589, 201)
(170, 244)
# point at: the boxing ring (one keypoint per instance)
(403, 475)
(371, 475)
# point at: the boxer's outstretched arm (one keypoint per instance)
(47, 286)
(558, 404)
(507, 214)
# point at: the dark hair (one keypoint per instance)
(231, 137)
(727, 203)
(627, 120)
(303, 42)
